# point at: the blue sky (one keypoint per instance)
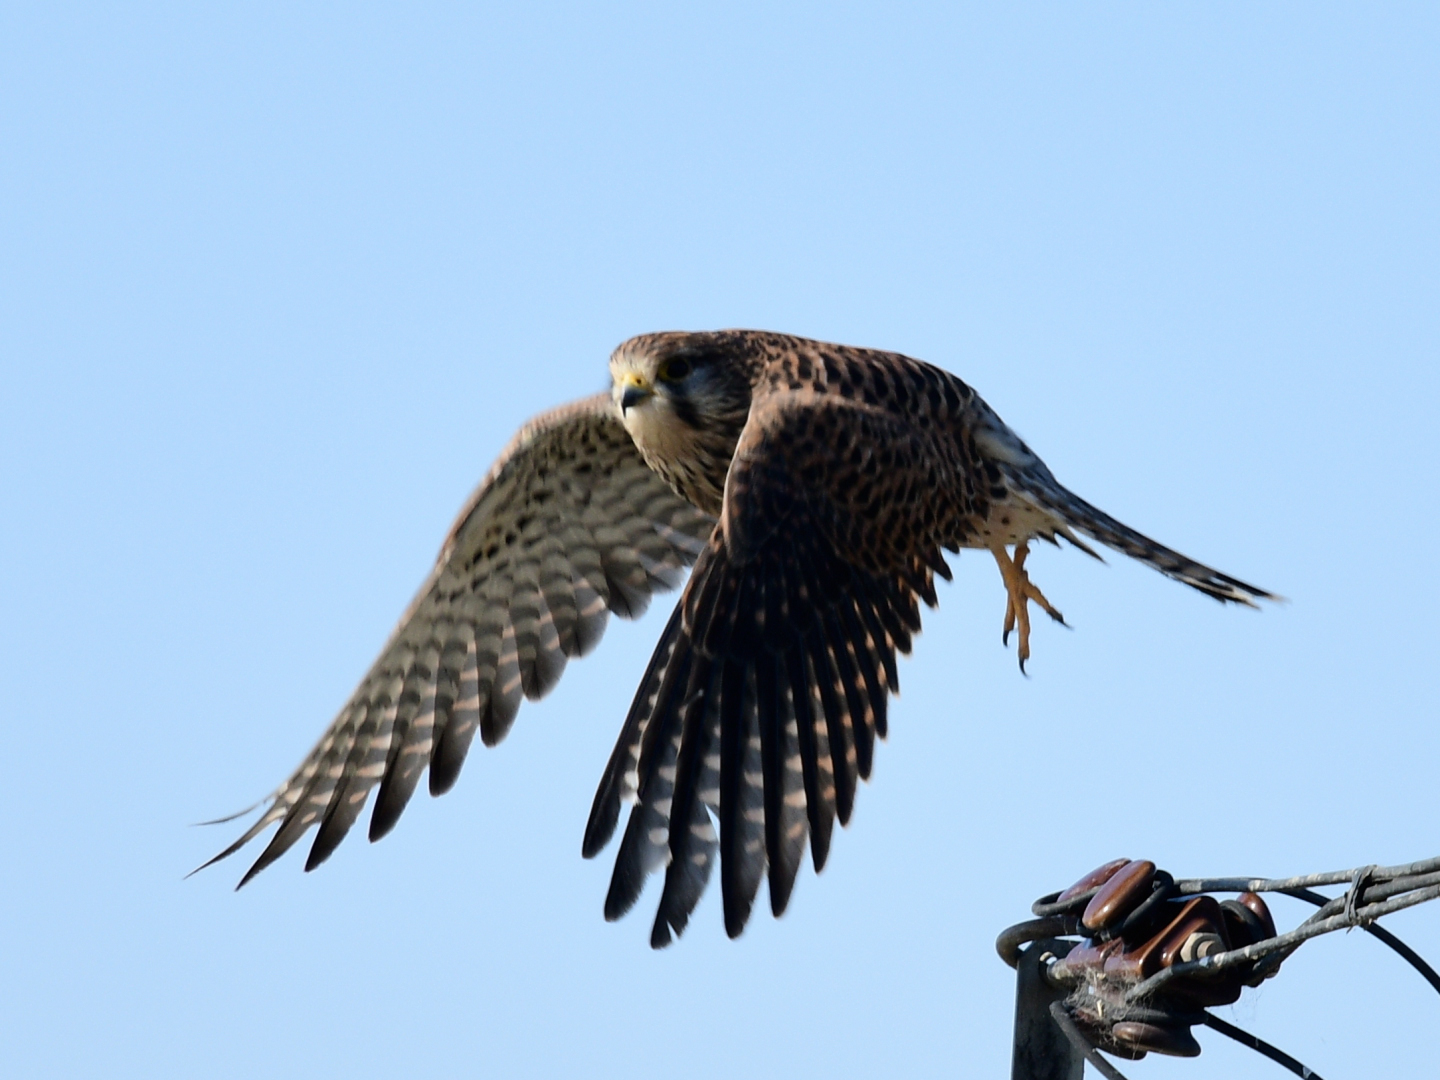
(276, 283)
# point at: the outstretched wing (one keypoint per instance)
(768, 690)
(569, 525)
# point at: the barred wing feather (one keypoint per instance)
(767, 692)
(568, 526)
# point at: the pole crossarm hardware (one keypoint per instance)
(1155, 953)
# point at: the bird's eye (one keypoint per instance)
(675, 370)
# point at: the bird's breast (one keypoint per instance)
(693, 464)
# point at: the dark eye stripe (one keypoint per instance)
(685, 412)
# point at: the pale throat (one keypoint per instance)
(678, 453)
(658, 432)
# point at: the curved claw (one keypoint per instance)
(1020, 590)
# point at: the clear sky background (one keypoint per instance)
(276, 283)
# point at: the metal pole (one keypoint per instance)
(1041, 1050)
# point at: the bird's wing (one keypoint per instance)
(569, 525)
(768, 689)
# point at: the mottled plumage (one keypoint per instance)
(815, 487)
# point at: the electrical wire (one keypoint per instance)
(1010, 941)
(1411, 957)
(1077, 1039)
(1259, 1045)
(1189, 886)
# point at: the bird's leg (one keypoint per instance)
(1019, 592)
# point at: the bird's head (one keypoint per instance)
(664, 383)
(683, 398)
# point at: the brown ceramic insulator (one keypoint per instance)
(1204, 993)
(1088, 956)
(1256, 904)
(1099, 1034)
(1175, 1041)
(1200, 915)
(1093, 879)
(1198, 926)
(1242, 924)
(1124, 964)
(1119, 896)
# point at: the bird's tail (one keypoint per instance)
(1045, 493)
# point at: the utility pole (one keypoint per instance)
(1042, 1052)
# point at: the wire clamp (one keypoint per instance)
(1354, 898)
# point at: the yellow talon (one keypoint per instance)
(1019, 591)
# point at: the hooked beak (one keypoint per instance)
(634, 390)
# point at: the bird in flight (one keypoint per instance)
(813, 487)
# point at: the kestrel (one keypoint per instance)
(813, 487)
